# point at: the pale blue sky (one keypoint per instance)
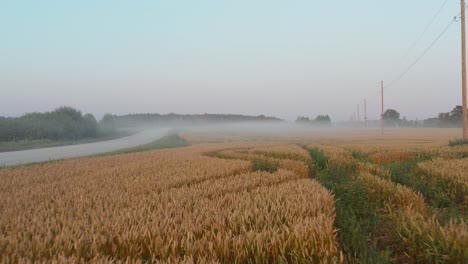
(281, 58)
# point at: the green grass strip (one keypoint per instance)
(356, 220)
(172, 140)
(458, 142)
(434, 192)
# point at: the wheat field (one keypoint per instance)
(278, 199)
(181, 205)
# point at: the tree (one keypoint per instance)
(90, 118)
(456, 114)
(392, 117)
(91, 125)
(451, 119)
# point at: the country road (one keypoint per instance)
(73, 151)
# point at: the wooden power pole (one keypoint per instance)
(382, 116)
(463, 36)
(358, 118)
(365, 113)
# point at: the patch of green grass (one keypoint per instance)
(434, 192)
(169, 141)
(318, 158)
(280, 155)
(462, 155)
(358, 155)
(402, 171)
(264, 165)
(458, 142)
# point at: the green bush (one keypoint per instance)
(458, 142)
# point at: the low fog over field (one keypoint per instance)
(290, 132)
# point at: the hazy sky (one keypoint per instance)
(281, 58)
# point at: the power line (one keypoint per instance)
(422, 54)
(425, 30)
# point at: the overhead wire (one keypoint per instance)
(456, 19)
(425, 30)
(394, 81)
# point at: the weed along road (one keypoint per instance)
(73, 151)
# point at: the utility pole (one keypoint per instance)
(358, 118)
(382, 116)
(365, 113)
(463, 31)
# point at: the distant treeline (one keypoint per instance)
(453, 118)
(392, 118)
(67, 123)
(320, 120)
(138, 120)
(64, 123)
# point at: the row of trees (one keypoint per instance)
(64, 123)
(139, 120)
(67, 123)
(319, 120)
(453, 118)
